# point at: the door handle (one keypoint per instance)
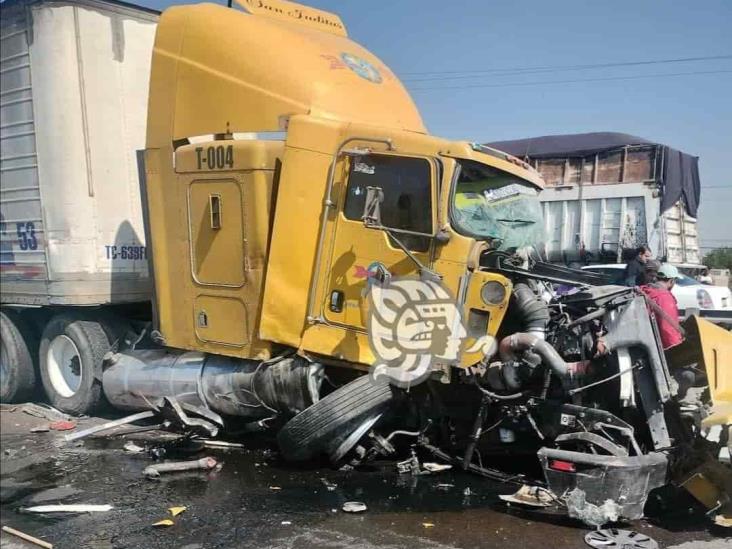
(214, 203)
(336, 301)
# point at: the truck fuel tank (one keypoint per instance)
(135, 380)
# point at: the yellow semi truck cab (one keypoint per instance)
(289, 182)
(260, 242)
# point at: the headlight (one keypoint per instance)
(704, 299)
(493, 293)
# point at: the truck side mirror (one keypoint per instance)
(372, 208)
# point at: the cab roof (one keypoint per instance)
(226, 69)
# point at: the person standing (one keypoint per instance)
(664, 306)
(650, 271)
(635, 268)
(704, 277)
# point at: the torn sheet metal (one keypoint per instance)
(595, 515)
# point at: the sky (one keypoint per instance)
(443, 41)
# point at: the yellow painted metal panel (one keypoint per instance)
(217, 69)
(217, 245)
(711, 346)
(339, 343)
(228, 262)
(221, 319)
(293, 244)
(496, 312)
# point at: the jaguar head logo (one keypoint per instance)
(412, 325)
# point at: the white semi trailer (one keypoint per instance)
(73, 107)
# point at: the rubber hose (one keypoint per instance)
(532, 310)
(520, 341)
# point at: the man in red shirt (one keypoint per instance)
(666, 310)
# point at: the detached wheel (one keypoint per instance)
(72, 352)
(334, 424)
(17, 363)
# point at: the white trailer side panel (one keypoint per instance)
(22, 250)
(89, 65)
(602, 219)
(605, 219)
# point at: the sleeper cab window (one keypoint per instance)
(407, 186)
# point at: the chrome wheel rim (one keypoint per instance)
(64, 366)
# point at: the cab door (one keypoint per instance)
(408, 209)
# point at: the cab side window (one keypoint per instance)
(407, 187)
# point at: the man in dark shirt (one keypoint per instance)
(634, 274)
(650, 272)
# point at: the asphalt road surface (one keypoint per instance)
(255, 500)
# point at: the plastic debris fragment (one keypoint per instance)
(62, 425)
(72, 508)
(354, 507)
(133, 448)
(175, 511)
(436, 467)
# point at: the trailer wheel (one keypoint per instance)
(72, 353)
(17, 364)
(332, 422)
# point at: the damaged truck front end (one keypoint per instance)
(592, 390)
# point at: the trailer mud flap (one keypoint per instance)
(600, 488)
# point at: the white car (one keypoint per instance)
(689, 293)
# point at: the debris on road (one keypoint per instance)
(175, 511)
(286, 523)
(133, 448)
(428, 524)
(27, 537)
(44, 411)
(413, 466)
(109, 425)
(220, 444)
(70, 508)
(154, 471)
(627, 539)
(533, 496)
(354, 507)
(330, 486)
(436, 467)
(62, 425)
(40, 430)
(723, 521)
(164, 522)
(275, 488)
(409, 466)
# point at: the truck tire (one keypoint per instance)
(316, 429)
(17, 358)
(71, 355)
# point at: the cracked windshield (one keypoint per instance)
(493, 204)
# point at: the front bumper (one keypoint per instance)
(602, 488)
